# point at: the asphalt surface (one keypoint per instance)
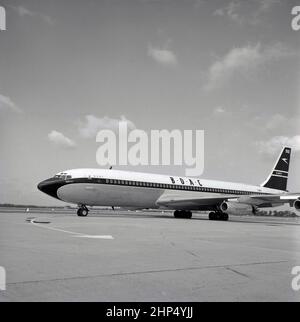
(147, 256)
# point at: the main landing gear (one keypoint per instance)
(183, 214)
(82, 211)
(218, 216)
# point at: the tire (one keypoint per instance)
(212, 216)
(225, 216)
(219, 216)
(79, 212)
(188, 215)
(82, 212)
(183, 214)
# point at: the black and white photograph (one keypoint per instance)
(150, 153)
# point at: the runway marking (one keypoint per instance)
(237, 272)
(226, 266)
(96, 236)
(72, 232)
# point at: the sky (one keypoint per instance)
(71, 68)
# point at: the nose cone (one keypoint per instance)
(50, 187)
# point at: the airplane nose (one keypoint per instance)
(41, 186)
(50, 187)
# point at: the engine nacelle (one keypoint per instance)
(237, 208)
(297, 204)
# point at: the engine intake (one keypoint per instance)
(224, 206)
(237, 208)
(297, 204)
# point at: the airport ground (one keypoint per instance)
(146, 256)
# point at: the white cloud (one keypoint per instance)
(22, 12)
(276, 121)
(7, 104)
(273, 145)
(248, 12)
(231, 10)
(60, 140)
(266, 5)
(220, 110)
(92, 125)
(241, 60)
(162, 56)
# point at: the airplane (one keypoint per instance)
(134, 190)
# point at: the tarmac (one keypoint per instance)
(147, 256)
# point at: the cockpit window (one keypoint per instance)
(62, 176)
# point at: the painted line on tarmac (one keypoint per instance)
(75, 234)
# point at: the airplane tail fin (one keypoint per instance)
(279, 176)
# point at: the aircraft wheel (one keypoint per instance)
(188, 215)
(183, 214)
(225, 216)
(212, 216)
(82, 212)
(176, 214)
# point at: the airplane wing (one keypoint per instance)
(269, 200)
(190, 202)
(198, 203)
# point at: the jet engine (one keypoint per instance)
(237, 208)
(297, 204)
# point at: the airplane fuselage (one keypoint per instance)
(101, 187)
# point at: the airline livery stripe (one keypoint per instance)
(275, 175)
(155, 185)
(279, 173)
(281, 170)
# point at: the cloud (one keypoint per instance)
(162, 56)
(246, 12)
(7, 104)
(219, 110)
(266, 5)
(276, 121)
(60, 140)
(231, 10)
(241, 60)
(276, 143)
(23, 11)
(92, 125)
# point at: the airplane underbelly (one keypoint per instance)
(109, 195)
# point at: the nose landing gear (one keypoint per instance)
(82, 211)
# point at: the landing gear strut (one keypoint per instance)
(82, 211)
(218, 216)
(183, 214)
